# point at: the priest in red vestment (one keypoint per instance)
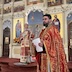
(53, 58)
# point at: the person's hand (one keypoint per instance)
(33, 45)
(40, 44)
(32, 36)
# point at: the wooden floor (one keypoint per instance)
(11, 61)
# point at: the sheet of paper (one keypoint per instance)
(36, 42)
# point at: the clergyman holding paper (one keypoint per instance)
(53, 57)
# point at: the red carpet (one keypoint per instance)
(7, 65)
(9, 60)
(5, 62)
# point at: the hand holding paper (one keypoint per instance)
(36, 43)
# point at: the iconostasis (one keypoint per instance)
(34, 1)
(35, 22)
(18, 27)
(60, 17)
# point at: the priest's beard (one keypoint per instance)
(45, 24)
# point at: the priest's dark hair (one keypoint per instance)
(48, 15)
